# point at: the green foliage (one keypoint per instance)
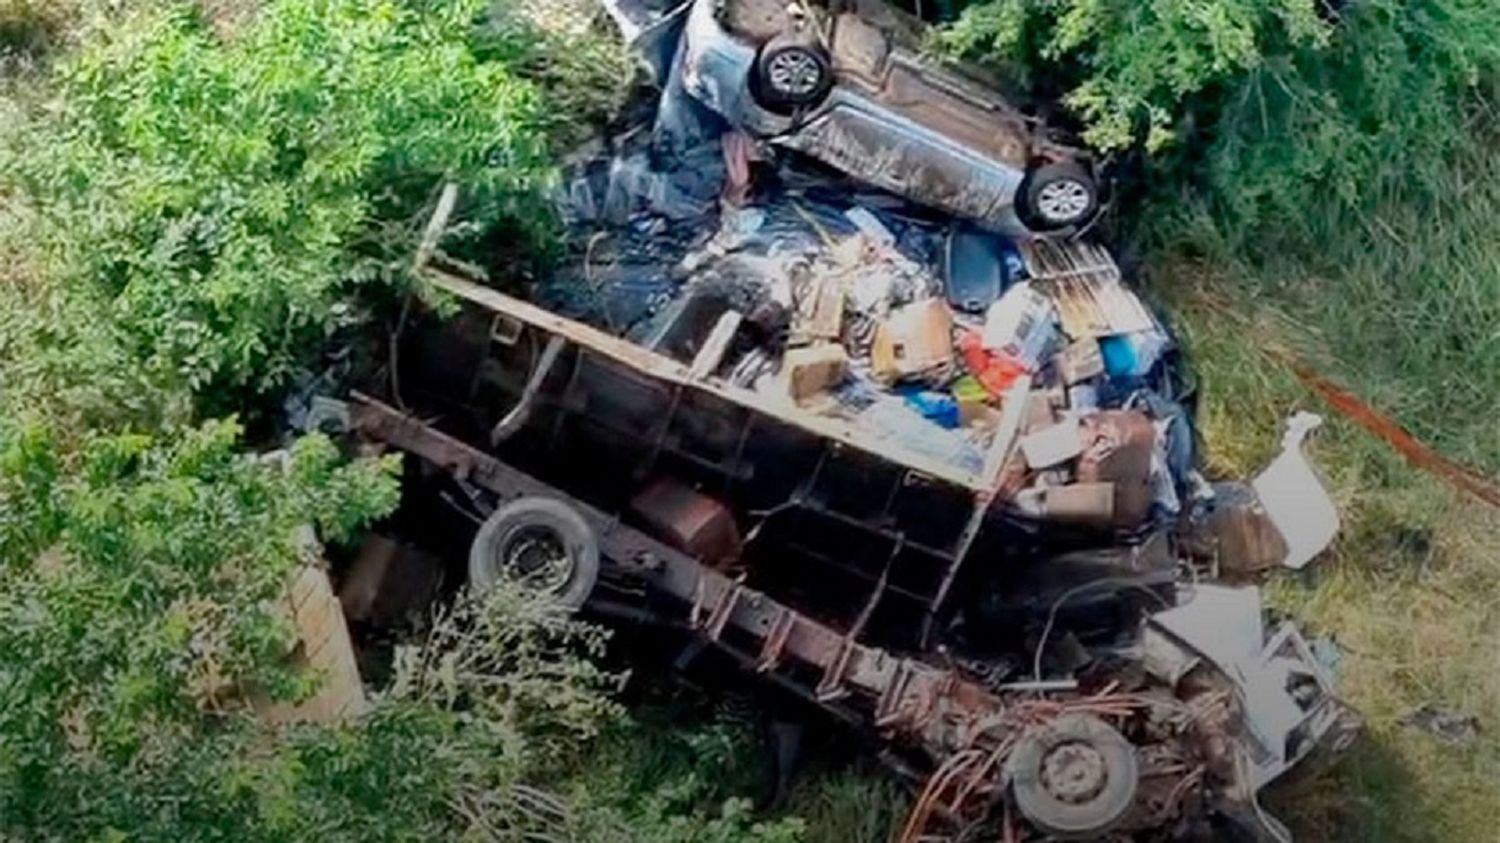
(512, 661)
(140, 584)
(220, 200)
(670, 776)
(184, 214)
(1138, 61)
(1311, 146)
(1272, 125)
(577, 60)
(498, 691)
(851, 806)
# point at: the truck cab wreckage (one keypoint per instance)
(957, 514)
(849, 575)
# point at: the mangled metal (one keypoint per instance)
(937, 482)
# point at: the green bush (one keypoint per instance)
(219, 201)
(185, 214)
(183, 218)
(1310, 145)
(1131, 65)
(139, 586)
(1268, 122)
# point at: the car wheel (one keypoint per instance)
(541, 543)
(1057, 196)
(1074, 778)
(792, 71)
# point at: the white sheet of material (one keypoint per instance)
(1295, 499)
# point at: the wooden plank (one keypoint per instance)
(666, 369)
(325, 649)
(1008, 434)
(708, 358)
(447, 201)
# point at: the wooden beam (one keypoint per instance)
(666, 369)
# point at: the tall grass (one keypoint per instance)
(1392, 289)
(30, 30)
(1409, 591)
(1400, 299)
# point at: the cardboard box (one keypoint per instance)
(1081, 361)
(1039, 412)
(811, 370)
(1117, 449)
(915, 339)
(1053, 445)
(1089, 504)
(820, 311)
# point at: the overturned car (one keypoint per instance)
(844, 83)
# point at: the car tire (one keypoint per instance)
(1074, 778)
(543, 543)
(792, 71)
(1057, 196)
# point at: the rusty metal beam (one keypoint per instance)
(924, 705)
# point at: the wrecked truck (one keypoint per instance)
(934, 482)
(1057, 684)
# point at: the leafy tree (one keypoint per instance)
(140, 583)
(1268, 122)
(1136, 62)
(220, 199)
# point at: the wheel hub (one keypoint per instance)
(794, 73)
(1074, 772)
(537, 558)
(1063, 200)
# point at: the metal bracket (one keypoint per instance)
(506, 330)
(723, 611)
(831, 687)
(774, 647)
(516, 418)
(888, 709)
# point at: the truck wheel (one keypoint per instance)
(1074, 778)
(542, 543)
(1057, 196)
(792, 71)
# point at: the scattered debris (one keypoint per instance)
(812, 370)
(1081, 361)
(1446, 726)
(1295, 498)
(1242, 538)
(1288, 703)
(977, 268)
(936, 479)
(1020, 324)
(914, 341)
(1052, 445)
